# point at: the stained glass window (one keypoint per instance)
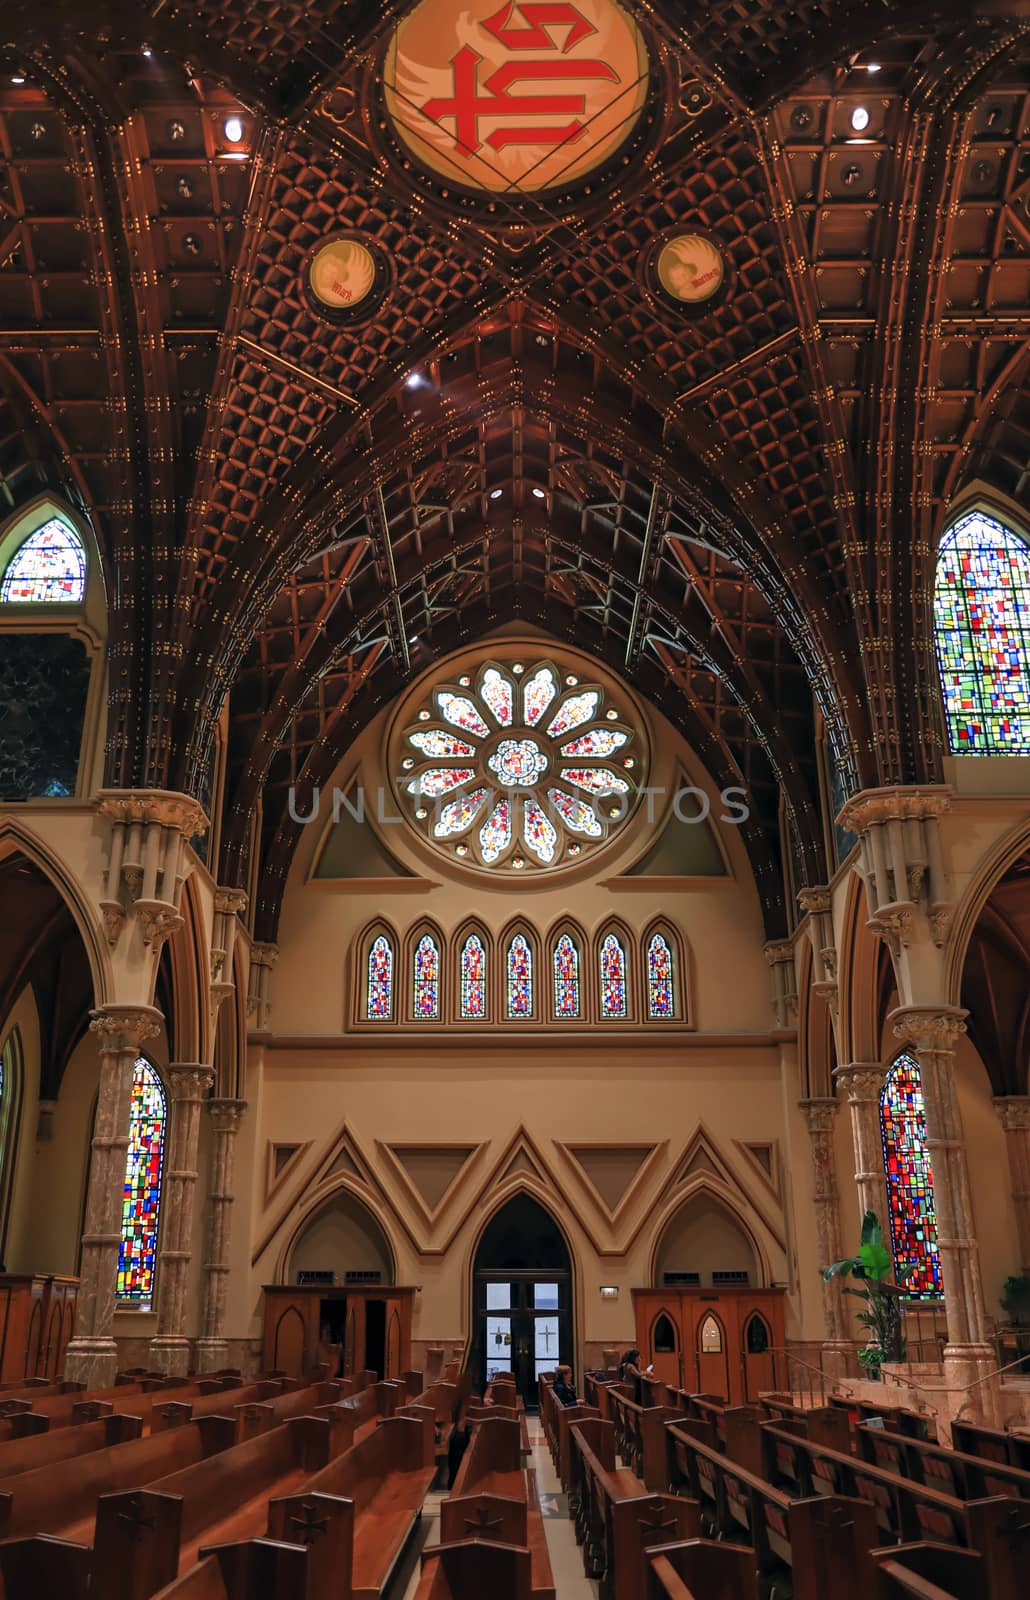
(49, 565)
(142, 1202)
(379, 987)
(473, 977)
(982, 613)
(910, 1179)
(519, 978)
(661, 995)
(613, 978)
(566, 977)
(426, 979)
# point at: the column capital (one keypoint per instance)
(226, 1114)
(1014, 1112)
(188, 1080)
(861, 1080)
(819, 1113)
(816, 899)
(170, 809)
(230, 901)
(125, 1027)
(896, 803)
(928, 1027)
(264, 955)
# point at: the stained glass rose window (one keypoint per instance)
(519, 766)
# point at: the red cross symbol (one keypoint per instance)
(470, 101)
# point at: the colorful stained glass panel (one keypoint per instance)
(499, 695)
(426, 980)
(439, 780)
(661, 1001)
(473, 977)
(379, 983)
(50, 566)
(574, 711)
(598, 742)
(458, 814)
(519, 984)
(439, 745)
(141, 1205)
(613, 978)
(566, 977)
(461, 713)
(539, 832)
(906, 1160)
(495, 834)
(537, 694)
(597, 780)
(575, 813)
(982, 614)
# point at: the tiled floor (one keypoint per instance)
(566, 1561)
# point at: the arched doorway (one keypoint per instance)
(522, 1296)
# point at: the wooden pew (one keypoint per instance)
(966, 1477)
(930, 1572)
(255, 1417)
(900, 1419)
(495, 1495)
(146, 1537)
(640, 1437)
(616, 1518)
(699, 1570)
(910, 1512)
(376, 1489)
(992, 1444)
(829, 1425)
(474, 1570)
(813, 1547)
(129, 1399)
(46, 1449)
(176, 1413)
(359, 1414)
(256, 1569)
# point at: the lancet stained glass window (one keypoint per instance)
(142, 1202)
(379, 985)
(906, 1160)
(613, 978)
(50, 565)
(661, 996)
(982, 614)
(426, 1000)
(519, 987)
(566, 977)
(473, 977)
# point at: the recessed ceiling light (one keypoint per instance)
(234, 129)
(860, 119)
(413, 381)
(540, 495)
(495, 494)
(873, 66)
(17, 78)
(147, 51)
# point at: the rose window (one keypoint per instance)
(519, 766)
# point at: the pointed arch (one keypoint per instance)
(16, 838)
(376, 975)
(424, 973)
(471, 957)
(43, 558)
(565, 975)
(982, 633)
(613, 966)
(664, 974)
(520, 974)
(909, 1173)
(144, 1170)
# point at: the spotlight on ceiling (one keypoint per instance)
(495, 494)
(873, 66)
(17, 78)
(414, 380)
(234, 129)
(147, 51)
(860, 119)
(540, 494)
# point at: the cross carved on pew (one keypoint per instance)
(308, 1524)
(133, 1515)
(1017, 1527)
(483, 1523)
(832, 1516)
(655, 1522)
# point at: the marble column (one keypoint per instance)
(188, 1087)
(820, 1116)
(930, 1032)
(862, 1084)
(91, 1357)
(1014, 1112)
(212, 1349)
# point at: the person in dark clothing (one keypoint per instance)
(461, 1434)
(629, 1366)
(563, 1387)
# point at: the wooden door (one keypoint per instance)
(712, 1354)
(289, 1342)
(757, 1355)
(664, 1347)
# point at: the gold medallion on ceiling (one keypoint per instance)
(345, 277)
(688, 269)
(515, 99)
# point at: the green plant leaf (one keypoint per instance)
(871, 1231)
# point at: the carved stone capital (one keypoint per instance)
(230, 901)
(189, 1080)
(158, 919)
(125, 1027)
(861, 1080)
(819, 1114)
(171, 810)
(815, 900)
(780, 953)
(896, 803)
(1013, 1112)
(894, 924)
(226, 1115)
(928, 1027)
(264, 955)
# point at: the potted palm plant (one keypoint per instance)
(871, 1267)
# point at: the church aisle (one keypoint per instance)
(566, 1561)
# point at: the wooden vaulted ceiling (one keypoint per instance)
(738, 511)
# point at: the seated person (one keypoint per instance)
(630, 1368)
(563, 1387)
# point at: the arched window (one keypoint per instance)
(426, 980)
(910, 1180)
(142, 1203)
(379, 980)
(48, 566)
(982, 614)
(473, 978)
(613, 978)
(661, 992)
(519, 978)
(566, 977)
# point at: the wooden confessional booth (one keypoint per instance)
(37, 1318)
(353, 1329)
(726, 1341)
